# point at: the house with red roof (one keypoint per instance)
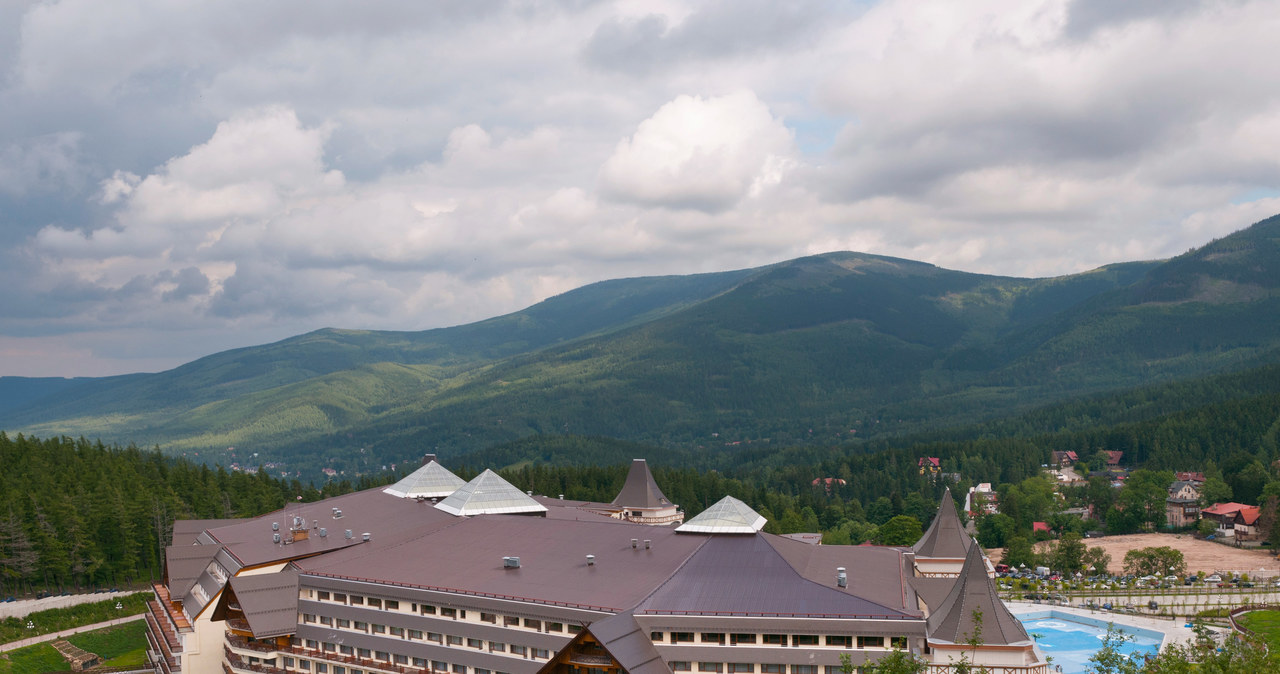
(1226, 515)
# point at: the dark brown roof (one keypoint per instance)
(467, 557)
(184, 564)
(185, 532)
(628, 644)
(269, 602)
(746, 576)
(640, 491)
(953, 619)
(932, 591)
(876, 573)
(946, 537)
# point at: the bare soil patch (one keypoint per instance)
(1201, 555)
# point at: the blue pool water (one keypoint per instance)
(1070, 641)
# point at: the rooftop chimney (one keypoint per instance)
(635, 543)
(275, 526)
(365, 536)
(347, 535)
(841, 579)
(591, 560)
(510, 562)
(647, 544)
(275, 538)
(323, 532)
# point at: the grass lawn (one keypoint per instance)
(119, 646)
(1266, 624)
(33, 660)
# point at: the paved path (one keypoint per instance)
(23, 607)
(68, 632)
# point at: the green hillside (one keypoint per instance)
(824, 349)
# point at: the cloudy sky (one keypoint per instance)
(180, 178)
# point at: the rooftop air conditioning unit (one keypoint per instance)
(510, 562)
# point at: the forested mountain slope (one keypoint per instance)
(821, 349)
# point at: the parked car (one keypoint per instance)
(1215, 578)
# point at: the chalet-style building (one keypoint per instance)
(1063, 459)
(492, 580)
(1233, 519)
(929, 465)
(1182, 507)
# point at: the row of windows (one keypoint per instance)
(840, 640)
(321, 667)
(443, 611)
(434, 637)
(750, 668)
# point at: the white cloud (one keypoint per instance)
(699, 153)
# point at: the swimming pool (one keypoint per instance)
(1070, 640)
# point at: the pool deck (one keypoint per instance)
(1174, 631)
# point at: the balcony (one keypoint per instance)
(159, 641)
(591, 659)
(362, 663)
(246, 645)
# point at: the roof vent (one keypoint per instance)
(347, 535)
(529, 493)
(591, 560)
(337, 513)
(635, 543)
(648, 544)
(323, 532)
(510, 562)
(315, 524)
(562, 497)
(365, 536)
(275, 538)
(841, 578)
(275, 526)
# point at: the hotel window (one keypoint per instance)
(497, 647)
(680, 637)
(364, 652)
(742, 638)
(313, 644)
(574, 629)
(346, 650)
(381, 655)
(328, 647)
(304, 664)
(357, 600)
(362, 626)
(804, 640)
(775, 639)
(680, 666)
(419, 662)
(448, 612)
(833, 669)
(870, 642)
(482, 671)
(427, 609)
(773, 669)
(415, 634)
(288, 662)
(541, 653)
(401, 659)
(435, 636)
(510, 621)
(459, 669)
(474, 643)
(742, 667)
(391, 605)
(716, 667)
(804, 669)
(343, 622)
(340, 598)
(533, 624)
(439, 666)
(308, 618)
(839, 640)
(375, 602)
(713, 637)
(488, 618)
(326, 620)
(899, 643)
(554, 627)
(322, 596)
(322, 668)
(339, 669)
(379, 629)
(453, 640)
(398, 632)
(655, 636)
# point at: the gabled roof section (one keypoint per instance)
(746, 576)
(945, 538)
(640, 491)
(432, 480)
(628, 645)
(185, 563)
(726, 516)
(489, 494)
(268, 601)
(953, 620)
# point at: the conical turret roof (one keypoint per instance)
(974, 594)
(640, 491)
(432, 480)
(946, 537)
(726, 516)
(489, 494)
